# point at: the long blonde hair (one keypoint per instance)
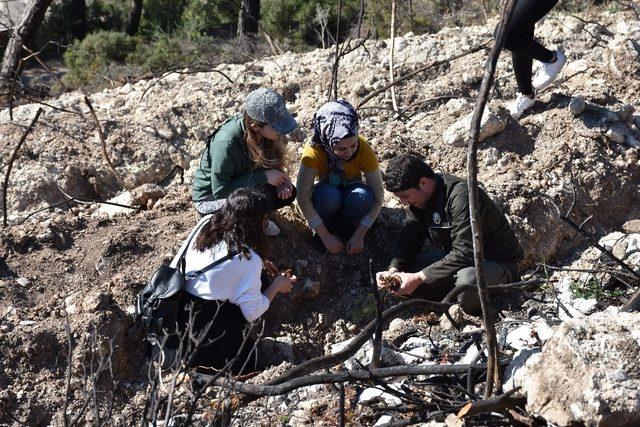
(264, 152)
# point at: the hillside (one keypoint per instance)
(88, 263)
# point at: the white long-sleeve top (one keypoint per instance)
(236, 280)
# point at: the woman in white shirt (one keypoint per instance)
(222, 300)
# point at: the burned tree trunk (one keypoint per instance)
(248, 17)
(78, 17)
(23, 34)
(133, 22)
(391, 52)
(360, 17)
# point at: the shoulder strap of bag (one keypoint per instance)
(182, 262)
(210, 266)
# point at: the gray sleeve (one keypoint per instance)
(374, 181)
(304, 186)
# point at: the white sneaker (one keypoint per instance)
(271, 229)
(520, 105)
(548, 72)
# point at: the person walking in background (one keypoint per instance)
(248, 150)
(525, 48)
(340, 206)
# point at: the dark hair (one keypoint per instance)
(239, 223)
(404, 172)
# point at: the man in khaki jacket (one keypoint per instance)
(438, 211)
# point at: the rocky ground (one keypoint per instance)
(86, 262)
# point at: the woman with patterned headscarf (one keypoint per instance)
(340, 206)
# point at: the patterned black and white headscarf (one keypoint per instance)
(333, 122)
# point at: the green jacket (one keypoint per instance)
(445, 221)
(225, 164)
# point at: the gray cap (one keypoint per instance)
(266, 106)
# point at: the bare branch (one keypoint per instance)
(420, 70)
(13, 157)
(104, 144)
(347, 376)
(333, 89)
(474, 208)
(392, 49)
(358, 341)
(377, 338)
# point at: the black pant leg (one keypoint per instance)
(520, 33)
(522, 68)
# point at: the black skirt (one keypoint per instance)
(216, 337)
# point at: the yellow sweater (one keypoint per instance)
(315, 163)
(364, 161)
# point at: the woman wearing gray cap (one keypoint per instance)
(247, 150)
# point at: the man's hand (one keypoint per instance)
(382, 274)
(410, 281)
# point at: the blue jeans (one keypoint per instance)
(342, 206)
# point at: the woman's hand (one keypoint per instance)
(332, 243)
(271, 268)
(285, 190)
(276, 177)
(355, 245)
(284, 283)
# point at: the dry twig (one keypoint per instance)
(377, 337)
(420, 70)
(14, 155)
(472, 172)
(497, 404)
(104, 144)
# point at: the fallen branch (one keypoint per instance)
(604, 29)
(377, 337)
(40, 102)
(357, 342)
(13, 157)
(195, 70)
(420, 70)
(494, 288)
(497, 404)
(85, 200)
(44, 209)
(474, 204)
(342, 377)
(104, 144)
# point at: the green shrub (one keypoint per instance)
(296, 20)
(64, 22)
(593, 289)
(165, 51)
(90, 57)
